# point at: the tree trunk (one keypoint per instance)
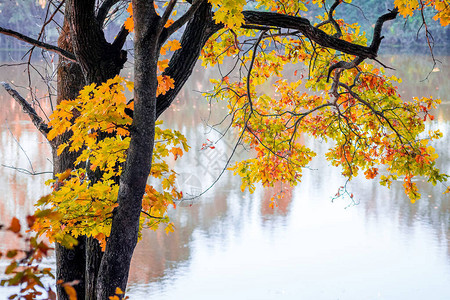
(70, 263)
(83, 262)
(125, 223)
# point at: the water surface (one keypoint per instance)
(230, 244)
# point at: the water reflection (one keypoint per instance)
(231, 244)
(21, 146)
(308, 248)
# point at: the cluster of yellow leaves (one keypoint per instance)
(373, 129)
(228, 12)
(288, 7)
(84, 198)
(441, 7)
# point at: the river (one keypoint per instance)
(232, 245)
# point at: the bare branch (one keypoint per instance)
(376, 40)
(27, 108)
(249, 74)
(39, 44)
(167, 13)
(315, 34)
(184, 18)
(25, 171)
(104, 9)
(345, 65)
(150, 216)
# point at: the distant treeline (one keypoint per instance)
(27, 17)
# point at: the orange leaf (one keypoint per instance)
(70, 291)
(163, 64)
(176, 152)
(129, 23)
(174, 45)
(31, 220)
(15, 225)
(169, 22)
(165, 83)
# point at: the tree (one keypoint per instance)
(352, 103)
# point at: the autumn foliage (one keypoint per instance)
(348, 102)
(100, 130)
(358, 110)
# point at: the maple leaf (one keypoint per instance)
(165, 83)
(15, 225)
(176, 152)
(163, 64)
(129, 22)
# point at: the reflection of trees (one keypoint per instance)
(19, 191)
(225, 206)
(417, 79)
(380, 204)
(212, 215)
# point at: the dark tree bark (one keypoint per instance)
(116, 260)
(71, 263)
(99, 60)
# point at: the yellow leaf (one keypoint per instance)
(129, 85)
(163, 64)
(169, 228)
(65, 175)
(61, 148)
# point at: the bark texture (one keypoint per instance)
(99, 60)
(315, 34)
(116, 260)
(70, 263)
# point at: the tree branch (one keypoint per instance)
(374, 45)
(345, 65)
(39, 44)
(315, 34)
(99, 61)
(184, 18)
(121, 38)
(167, 13)
(199, 28)
(331, 20)
(104, 9)
(378, 26)
(28, 109)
